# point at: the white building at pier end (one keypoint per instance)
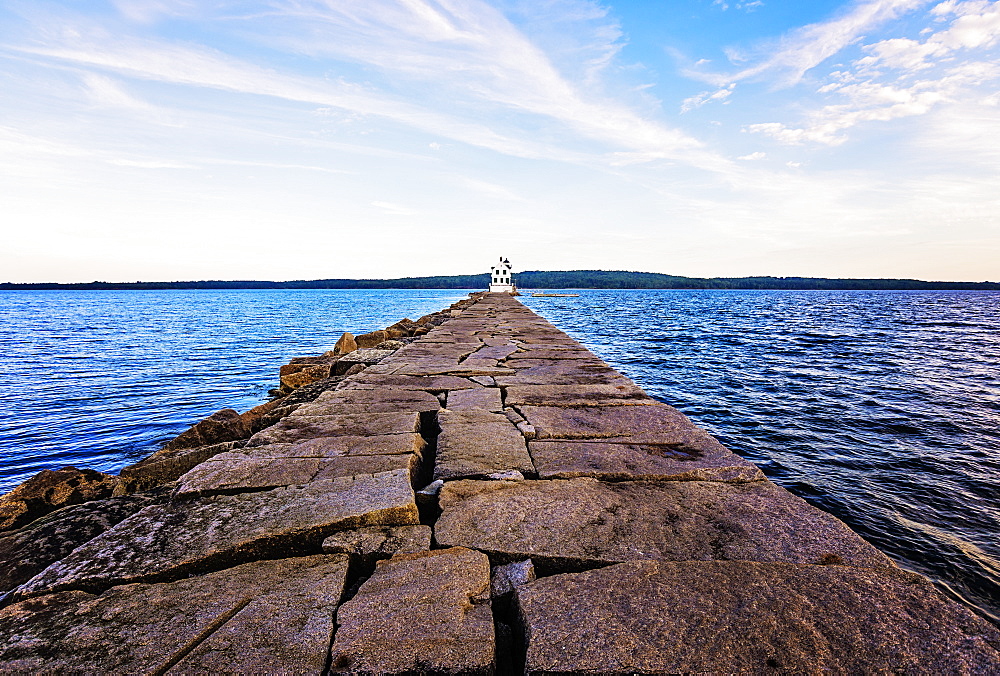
(501, 280)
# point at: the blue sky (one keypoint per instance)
(301, 139)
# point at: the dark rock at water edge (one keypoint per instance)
(49, 490)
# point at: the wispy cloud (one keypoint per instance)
(785, 61)
(698, 100)
(466, 59)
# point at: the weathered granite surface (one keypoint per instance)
(483, 399)
(371, 544)
(168, 465)
(267, 616)
(296, 428)
(175, 539)
(477, 443)
(594, 394)
(232, 472)
(423, 612)
(26, 552)
(740, 617)
(621, 462)
(659, 424)
(584, 522)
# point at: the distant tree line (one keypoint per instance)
(574, 279)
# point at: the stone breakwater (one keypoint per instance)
(474, 492)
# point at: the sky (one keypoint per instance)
(163, 140)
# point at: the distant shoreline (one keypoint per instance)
(576, 279)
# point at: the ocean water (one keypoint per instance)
(882, 408)
(101, 379)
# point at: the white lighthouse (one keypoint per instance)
(500, 277)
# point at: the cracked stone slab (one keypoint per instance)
(584, 522)
(371, 544)
(566, 371)
(485, 399)
(657, 424)
(427, 612)
(593, 394)
(552, 353)
(231, 472)
(168, 541)
(327, 409)
(739, 617)
(335, 447)
(403, 382)
(266, 616)
(633, 462)
(476, 443)
(297, 428)
(467, 368)
(496, 351)
(349, 396)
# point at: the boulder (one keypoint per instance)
(728, 617)
(477, 443)
(166, 466)
(224, 425)
(345, 344)
(371, 339)
(307, 375)
(405, 325)
(426, 612)
(580, 523)
(622, 462)
(390, 345)
(49, 490)
(261, 617)
(363, 356)
(26, 552)
(254, 419)
(170, 541)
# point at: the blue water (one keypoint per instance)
(101, 379)
(880, 407)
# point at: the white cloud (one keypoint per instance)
(901, 77)
(977, 25)
(753, 156)
(747, 6)
(787, 60)
(698, 100)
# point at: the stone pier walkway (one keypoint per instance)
(490, 497)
